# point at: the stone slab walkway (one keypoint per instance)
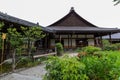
(35, 73)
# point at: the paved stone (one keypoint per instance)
(16, 76)
(35, 73)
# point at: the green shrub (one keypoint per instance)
(102, 68)
(106, 67)
(110, 47)
(105, 42)
(65, 68)
(59, 48)
(7, 67)
(91, 49)
(78, 50)
(24, 61)
(117, 45)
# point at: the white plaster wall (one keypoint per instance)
(91, 42)
(64, 36)
(73, 43)
(90, 36)
(65, 42)
(74, 36)
(81, 36)
(56, 36)
(52, 42)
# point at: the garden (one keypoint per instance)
(91, 63)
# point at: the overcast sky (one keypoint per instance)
(102, 13)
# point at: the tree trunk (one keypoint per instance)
(29, 48)
(13, 60)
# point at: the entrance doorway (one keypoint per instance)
(81, 42)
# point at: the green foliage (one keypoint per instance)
(90, 49)
(65, 68)
(6, 67)
(14, 37)
(117, 2)
(31, 34)
(1, 26)
(102, 68)
(59, 49)
(106, 67)
(105, 42)
(108, 47)
(78, 50)
(23, 62)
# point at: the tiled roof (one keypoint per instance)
(73, 22)
(72, 19)
(82, 29)
(12, 19)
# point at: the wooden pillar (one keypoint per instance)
(68, 40)
(94, 40)
(71, 40)
(76, 40)
(46, 41)
(110, 39)
(86, 40)
(77, 36)
(101, 44)
(59, 38)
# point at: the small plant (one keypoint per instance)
(81, 54)
(59, 49)
(78, 50)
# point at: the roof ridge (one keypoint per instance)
(67, 20)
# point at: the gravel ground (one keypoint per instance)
(35, 73)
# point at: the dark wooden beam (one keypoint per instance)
(94, 40)
(101, 44)
(110, 39)
(71, 40)
(68, 40)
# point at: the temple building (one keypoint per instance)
(74, 31)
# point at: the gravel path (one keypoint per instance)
(35, 73)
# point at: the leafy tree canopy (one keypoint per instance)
(117, 2)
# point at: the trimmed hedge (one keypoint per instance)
(59, 48)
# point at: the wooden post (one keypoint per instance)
(46, 42)
(59, 38)
(2, 55)
(71, 40)
(101, 44)
(94, 40)
(68, 40)
(110, 39)
(86, 39)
